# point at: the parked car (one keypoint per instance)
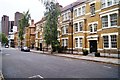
(25, 48)
(6, 46)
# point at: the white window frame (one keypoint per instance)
(75, 26)
(80, 10)
(83, 11)
(78, 38)
(109, 39)
(64, 42)
(109, 22)
(78, 26)
(93, 27)
(64, 28)
(91, 9)
(114, 2)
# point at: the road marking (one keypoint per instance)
(107, 67)
(7, 54)
(36, 76)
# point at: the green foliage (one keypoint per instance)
(50, 29)
(3, 38)
(24, 22)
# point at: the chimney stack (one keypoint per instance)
(32, 22)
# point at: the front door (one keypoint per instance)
(93, 46)
(40, 46)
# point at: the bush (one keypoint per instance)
(85, 52)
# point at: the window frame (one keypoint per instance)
(108, 21)
(75, 27)
(110, 41)
(78, 42)
(113, 20)
(92, 9)
(92, 28)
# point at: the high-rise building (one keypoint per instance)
(11, 24)
(17, 17)
(4, 23)
(11, 33)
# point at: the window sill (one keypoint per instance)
(78, 32)
(92, 15)
(110, 48)
(109, 27)
(92, 32)
(65, 34)
(78, 47)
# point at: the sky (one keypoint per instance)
(9, 7)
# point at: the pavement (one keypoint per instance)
(82, 57)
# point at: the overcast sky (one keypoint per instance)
(9, 7)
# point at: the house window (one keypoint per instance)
(103, 3)
(83, 10)
(79, 11)
(62, 30)
(106, 41)
(76, 42)
(95, 27)
(113, 19)
(116, 1)
(58, 33)
(75, 12)
(62, 42)
(105, 21)
(62, 17)
(80, 26)
(109, 2)
(69, 14)
(66, 29)
(66, 42)
(113, 41)
(76, 27)
(80, 42)
(91, 30)
(92, 8)
(65, 16)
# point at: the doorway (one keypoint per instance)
(93, 46)
(40, 46)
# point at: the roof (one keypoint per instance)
(72, 5)
(43, 19)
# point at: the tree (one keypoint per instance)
(23, 22)
(3, 38)
(50, 30)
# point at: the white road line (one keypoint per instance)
(7, 54)
(107, 67)
(40, 76)
(36, 76)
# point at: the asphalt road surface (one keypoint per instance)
(17, 64)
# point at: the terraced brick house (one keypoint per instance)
(96, 26)
(65, 26)
(39, 37)
(29, 36)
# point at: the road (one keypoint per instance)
(17, 64)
